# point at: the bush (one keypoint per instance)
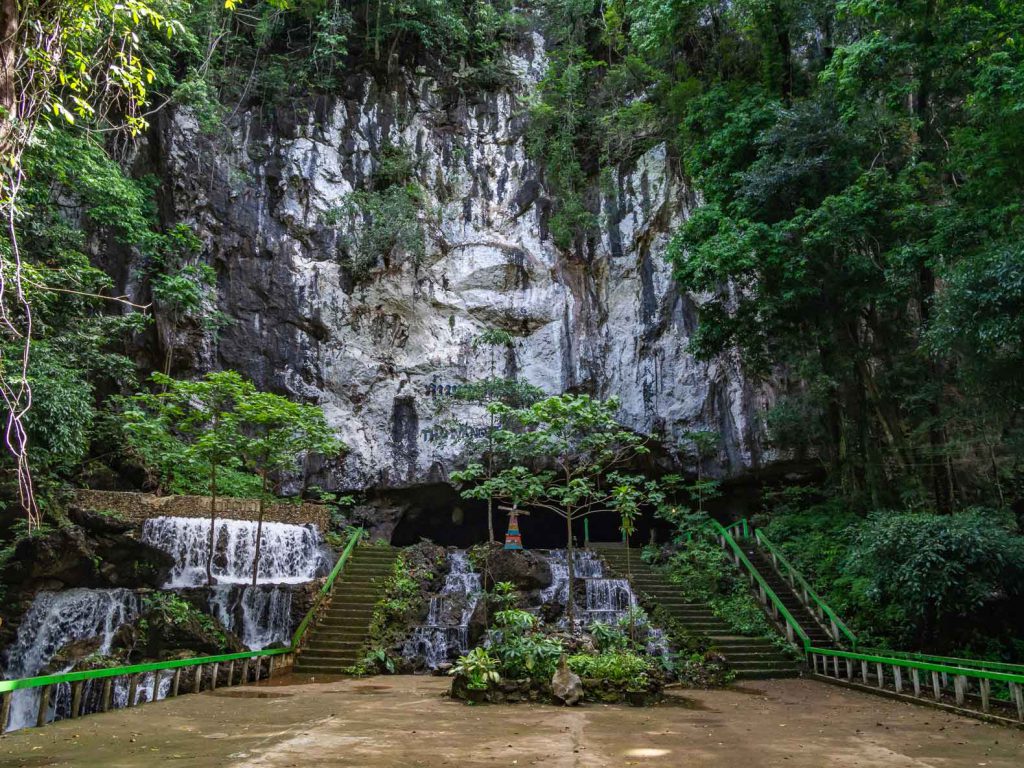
(932, 572)
(623, 667)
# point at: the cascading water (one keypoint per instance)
(259, 616)
(289, 554)
(54, 620)
(607, 599)
(446, 633)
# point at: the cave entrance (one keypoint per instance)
(438, 513)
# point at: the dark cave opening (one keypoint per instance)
(438, 513)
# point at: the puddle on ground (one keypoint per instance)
(251, 694)
(735, 688)
(681, 702)
(369, 689)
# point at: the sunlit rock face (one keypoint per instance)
(605, 318)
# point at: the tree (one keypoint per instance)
(276, 432)
(577, 444)
(69, 61)
(205, 415)
(509, 392)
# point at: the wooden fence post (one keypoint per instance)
(1018, 696)
(197, 681)
(176, 682)
(5, 710)
(881, 677)
(76, 698)
(108, 693)
(986, 690)
(849, 669)
(213, 678)
(44, 706)
(133, 687)
(864, 671)
(897, 675)
(231, 672)
(959, 684)
(917, 681)
(936, 687)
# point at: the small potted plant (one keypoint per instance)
(478, 670)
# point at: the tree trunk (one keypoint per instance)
(213, 522)
(629, 577)
(490, 519)
(259, 530)
(569, 552)
(10, 23)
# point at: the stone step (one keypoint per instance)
(333, 648)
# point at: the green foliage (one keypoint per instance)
(623, 667)
(383, 229)
(704, 574)
(608, 638)
(522, 651)
(504, 595)
(174, 611)
(479, 669)
(859, 221)
(935, 570)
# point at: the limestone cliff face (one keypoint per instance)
(608, 321)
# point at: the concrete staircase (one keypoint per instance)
(808, 622)
(748, 657)
(338, 639)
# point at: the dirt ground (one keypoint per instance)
(406, 721)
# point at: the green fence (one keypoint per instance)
(794, 632)
(982, 690)
(803, 590)
(988, 687)
(202, 673)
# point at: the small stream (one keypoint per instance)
(445, 635)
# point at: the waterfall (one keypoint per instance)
(54, 620)
(607, 599)
(259, 616)
(446, 632)
(289, 554)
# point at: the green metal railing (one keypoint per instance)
(951, 661)
(886, 673)
(806, 592)
(252, 664)
(251, 668)
(354, 538)
(765, 593)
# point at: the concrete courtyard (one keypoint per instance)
(407, 721)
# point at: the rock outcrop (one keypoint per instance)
(378, 350)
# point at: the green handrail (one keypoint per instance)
(952, 661)
(353, 539)
(795, 575)
(7, 686)
(927, 666)
(793, 627)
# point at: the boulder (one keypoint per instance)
(527, 570)
(566, 686)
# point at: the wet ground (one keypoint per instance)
(406, 721)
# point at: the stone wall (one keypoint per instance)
(142, 506)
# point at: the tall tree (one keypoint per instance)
(204, 414)
(577, 445)
(477, 436)
(276, 433)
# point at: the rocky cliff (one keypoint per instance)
(604, 319)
